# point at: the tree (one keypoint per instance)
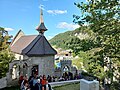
(5, 55)
(103, 18)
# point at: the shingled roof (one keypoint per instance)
(33, 45)
(41, 27)
(22, 43)
(39, 46)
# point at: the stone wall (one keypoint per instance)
(46, 64)
(45, 67)
(59, 71)
(3, 82)
(89, 85)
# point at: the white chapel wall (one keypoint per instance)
(18, 56)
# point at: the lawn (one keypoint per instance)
(72, 86)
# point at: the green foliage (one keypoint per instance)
(115, 86)
(106, 14)
(5, 58)
(69, 40)
(92, 64)
(5, 55)
(103, 18)
(78, 62)
(3, 39)
(74, 44)
(60, 39)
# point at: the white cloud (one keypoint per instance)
(49, 37)
(55, 12)
(9, 29)
(65, 25)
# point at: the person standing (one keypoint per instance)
(43, 82)
(48, 86)
(33, 81)
(38, 85)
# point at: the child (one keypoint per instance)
(48, 87)
(25, 85)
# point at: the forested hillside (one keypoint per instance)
(77, 40)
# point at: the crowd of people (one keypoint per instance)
(69, 76)
(36, 82)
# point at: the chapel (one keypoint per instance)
(33, 53)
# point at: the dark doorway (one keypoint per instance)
(35, 70)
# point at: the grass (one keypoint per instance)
(72, 86)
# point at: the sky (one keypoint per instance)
(25, 15)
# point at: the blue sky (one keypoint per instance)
(25, 15)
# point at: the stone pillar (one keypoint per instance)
(29, 71)
(89, 85)
(39, 70)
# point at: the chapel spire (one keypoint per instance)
(41, 15)
(41, 28)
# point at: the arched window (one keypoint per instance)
(66, 69)
(15, 71)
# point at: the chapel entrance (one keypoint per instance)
(35, 70)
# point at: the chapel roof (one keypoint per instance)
(38, 47)
(33, 45)
(21, 43)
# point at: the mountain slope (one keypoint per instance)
(63, 40)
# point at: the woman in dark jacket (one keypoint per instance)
(38, 85)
